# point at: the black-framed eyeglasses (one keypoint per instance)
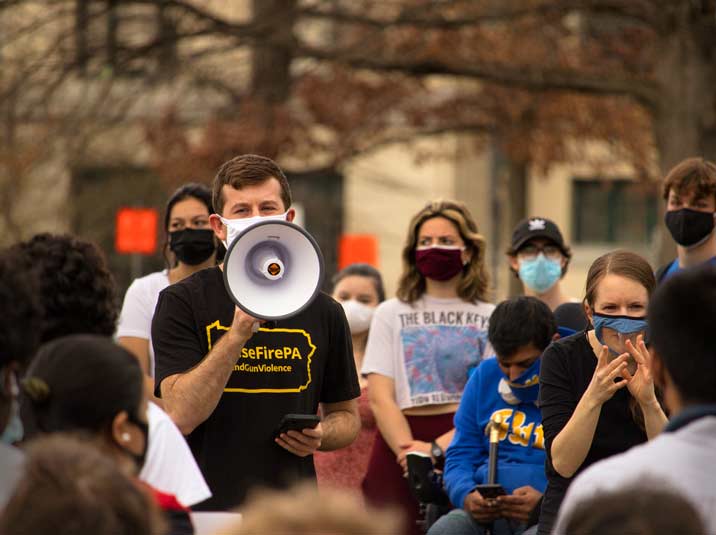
(530, 252)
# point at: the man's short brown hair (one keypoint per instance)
(695, 174)
(247, 170)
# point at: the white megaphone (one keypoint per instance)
(273, 270)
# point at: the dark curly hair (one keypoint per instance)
(20, 310)
(77, 291)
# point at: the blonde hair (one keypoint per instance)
(473, 284)
(306, 510)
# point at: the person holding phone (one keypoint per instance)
(227, 379)
(422, 347)
(503, 388)
(596, 389)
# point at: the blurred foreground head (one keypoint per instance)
(76, 289)
(305, 510)
(69, 486)
(649, 508)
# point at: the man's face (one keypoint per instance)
(516, 364)
(689, 199)
(262, 199)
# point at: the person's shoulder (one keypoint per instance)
(199, 281)
(484, 307)
(488, 371)
(391, 306)
(488, 366)
(158, 279)
(565, 348)
(664, 270)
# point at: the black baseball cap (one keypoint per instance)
(536, 227)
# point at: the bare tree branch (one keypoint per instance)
(644, 92)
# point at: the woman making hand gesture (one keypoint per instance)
(596, 391)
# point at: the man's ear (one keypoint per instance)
(217, 226)
(514, 264)
(290, 215)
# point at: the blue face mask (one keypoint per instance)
(526, 387)
(627, 327)
(14, 430)
(540, 273)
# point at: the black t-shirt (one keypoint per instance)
(566, 370)
(288, 368)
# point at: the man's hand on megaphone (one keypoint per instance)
(243, 326)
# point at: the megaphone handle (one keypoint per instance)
(255, 327)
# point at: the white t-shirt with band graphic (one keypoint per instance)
(429, 347)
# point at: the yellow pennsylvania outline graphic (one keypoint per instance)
(217, 325)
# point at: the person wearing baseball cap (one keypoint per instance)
(539, 257)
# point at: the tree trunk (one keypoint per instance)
(272, 56)
(516, 174)
(685, 118)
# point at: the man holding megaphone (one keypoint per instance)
(227, 376)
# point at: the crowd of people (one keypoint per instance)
(603, 407)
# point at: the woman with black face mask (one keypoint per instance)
(88, 385)
(422, 347)
(190, 246)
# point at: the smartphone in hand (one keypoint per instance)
(297, 422)
(489, 492)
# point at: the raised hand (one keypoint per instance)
(602, 386)
(641, 384)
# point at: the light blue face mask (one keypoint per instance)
(14, 430)
(526, 386)
(540, 273)
(626, 326)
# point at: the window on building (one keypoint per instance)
(613, 211)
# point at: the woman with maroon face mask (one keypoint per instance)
(422, 347)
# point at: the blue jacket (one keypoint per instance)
(520, 453)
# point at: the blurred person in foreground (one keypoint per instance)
(539, 257)
(89, 385)
(304, 510)
(189, 246)
(359, 289)
(648, 507)
(20, 320)
(505, 386)
(227, 381)
(423, 346)
(69, 487)
(690, 194)
(78, 296)
(683, 364)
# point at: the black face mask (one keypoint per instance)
(142, 457)
(689, 227)
(192, 246)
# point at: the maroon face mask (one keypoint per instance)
(439, 263)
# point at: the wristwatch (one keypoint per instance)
(438, 455)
